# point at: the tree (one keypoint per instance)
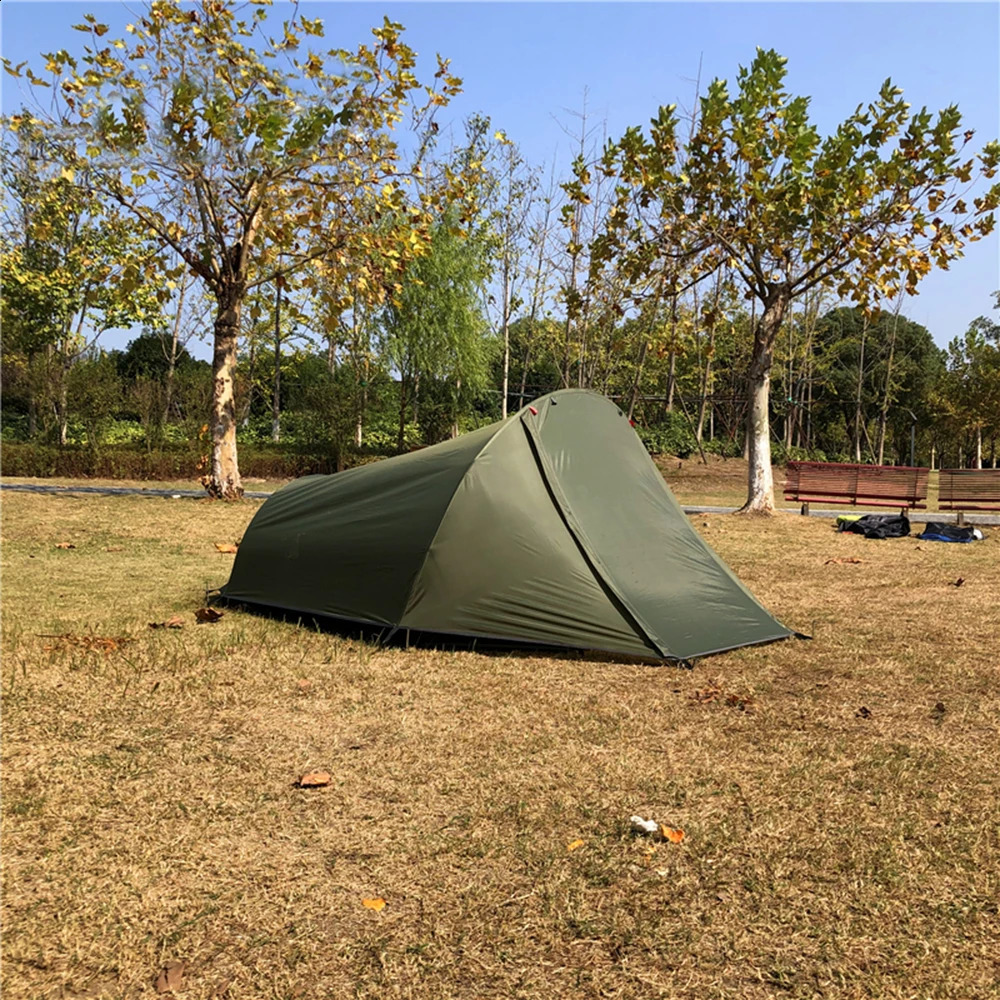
(866, 212)
(509, 201)
(436, 331)
(72, 267)
(972, 387)
(248, 164)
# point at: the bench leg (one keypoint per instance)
(961, 518)
(805, 510)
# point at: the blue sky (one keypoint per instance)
(528, 66)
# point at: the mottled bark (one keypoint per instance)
(760, 482)
(223, 481)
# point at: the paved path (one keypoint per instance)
(142, 491)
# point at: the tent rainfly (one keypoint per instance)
(551, 527)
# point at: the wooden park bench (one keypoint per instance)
(969, 489)
(899, 486)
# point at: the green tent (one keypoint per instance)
(553, 526)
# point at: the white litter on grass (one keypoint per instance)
(640, 825)
(175, 496)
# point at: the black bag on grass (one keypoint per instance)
(941, 531)
(880, 526)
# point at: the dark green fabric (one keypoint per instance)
(351, 544)
(553, 526)
(503, 563)
(681, 594)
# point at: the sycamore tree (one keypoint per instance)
(250, 153)
(866, 212)
(72, 267)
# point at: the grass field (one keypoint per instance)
(840, 797)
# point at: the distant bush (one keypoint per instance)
(780, 454)
(670, 437)
(725, 447)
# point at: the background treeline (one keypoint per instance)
(846, 388)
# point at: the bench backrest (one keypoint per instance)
(970, 487)
(841, 479)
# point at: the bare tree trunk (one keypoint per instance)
(857, 397)
(223, 482)
(62, 410)
(671, 372)
(524, 375)
(276, 382)
(454, 416)
(506, 340)
(32, 400)
(638, 376)
(979, 447)
(760, 481)
(706, 379)
(401, 436)
(884, 413)
(168, 396)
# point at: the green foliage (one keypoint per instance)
(671, 436)
(149, 355)
(94, 394)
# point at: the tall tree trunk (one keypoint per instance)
(32, 400)
(884, 412)
(524, 375)
(276, 382)
(401, 436)
(223, 482)
(857, 396)
(62, 409)
(979, 447)
(506, 339)
(454, 413)
(672, 371)
(168, 395)
(638, 376)
(760, 482)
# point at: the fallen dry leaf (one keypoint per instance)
(705, 694)
(65, 545)
(863, 713)
(114, 548)
(305, 686)
(314, 779)
(376, 904)
(174, 621)
(574, 845)
(226, 547)
(207, 615)
(843, 559)
(170, 978)
(959, 582)
(744, 702)
(674, 836)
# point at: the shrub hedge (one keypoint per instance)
(43, 461)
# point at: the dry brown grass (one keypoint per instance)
(150, 811)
